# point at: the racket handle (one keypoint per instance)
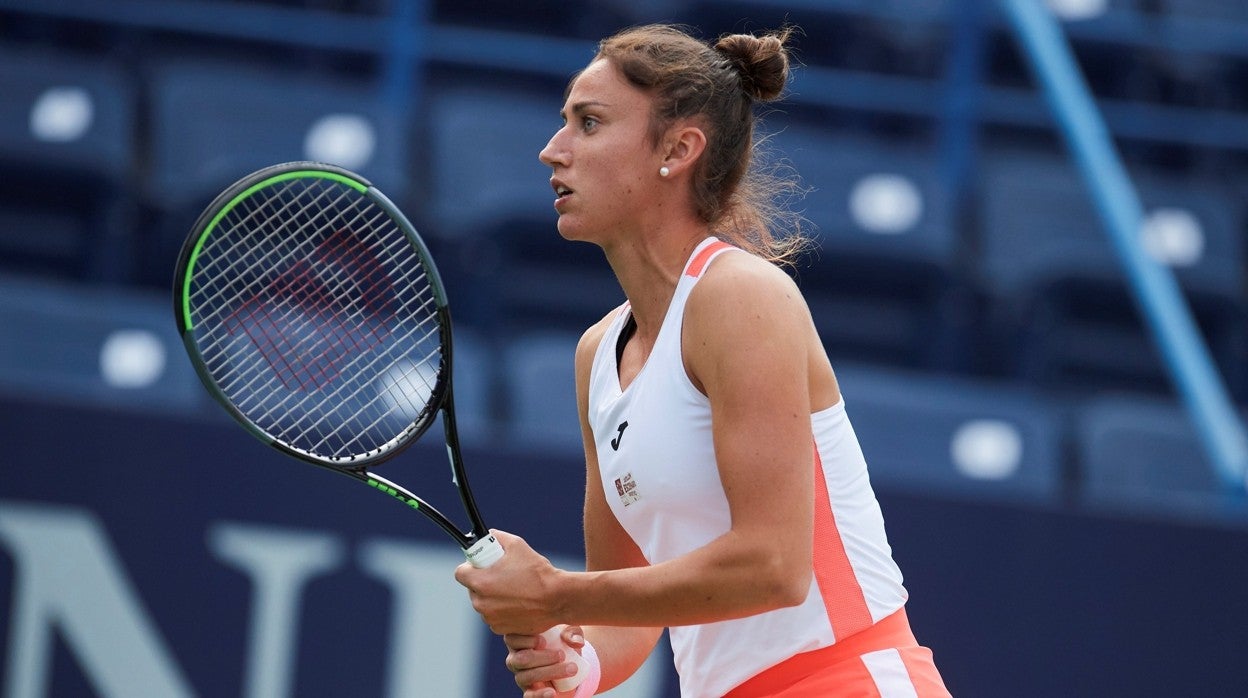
(486, 552)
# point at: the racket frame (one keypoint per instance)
(441, 401)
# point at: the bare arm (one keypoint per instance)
(747, 344)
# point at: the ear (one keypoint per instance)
(683, 147)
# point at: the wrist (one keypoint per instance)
(562, 595)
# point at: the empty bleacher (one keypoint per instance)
(957, 438)
(1143, 455)
(1060, 303)
(884, 280)
(962, 276)
(68, 153)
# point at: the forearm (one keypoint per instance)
(727, 578)
(621, 651)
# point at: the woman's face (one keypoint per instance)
(602, 159)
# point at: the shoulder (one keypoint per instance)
(739, 282)
(587, 346)
(744, 315)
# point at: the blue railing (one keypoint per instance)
(1157, 294)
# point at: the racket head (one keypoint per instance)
(313, 312)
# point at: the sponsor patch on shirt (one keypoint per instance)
(626, 487)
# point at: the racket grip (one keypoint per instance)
(486, 552)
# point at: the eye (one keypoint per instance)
(588, 123)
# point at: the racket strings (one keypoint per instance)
(426, 311)
(302, 288)
(232, 274)
(310, 411)
(401, 393)
(353, 423)
(305, 295)
(249, 281)
(222, 289)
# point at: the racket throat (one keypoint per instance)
(394, 490)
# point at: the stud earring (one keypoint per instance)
(663, 171)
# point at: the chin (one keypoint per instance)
(574, 230)
(569, 231)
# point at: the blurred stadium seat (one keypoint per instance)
(214, 122)
(482, 144)
(589, 20)
(549, 282)
(869, 199)
(1215, 10)
(68, 114)
(1058, 288)
(884, 280)
(540, 386)
(67, 152)
(1144, 452)
(937, 434)
(491, 209)
(95, 346)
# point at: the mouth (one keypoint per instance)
(562, 191)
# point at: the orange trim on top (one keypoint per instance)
(842, 594)
(699, 262)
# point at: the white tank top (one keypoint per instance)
(660, 477)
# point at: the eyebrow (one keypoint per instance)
(582, 107)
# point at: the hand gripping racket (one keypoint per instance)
(312, 310)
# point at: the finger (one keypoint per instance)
(524, 660)
(504, 537)
(462, 572)
(517, 641)
(543, 676)
(573, 636)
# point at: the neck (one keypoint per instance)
(648, 269)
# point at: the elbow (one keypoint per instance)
(794, 593)
(787, 584)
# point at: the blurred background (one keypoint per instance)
(1060, 526)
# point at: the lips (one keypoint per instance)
(562, 191)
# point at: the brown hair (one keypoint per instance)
(719, 85)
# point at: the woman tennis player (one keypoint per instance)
(727, 497)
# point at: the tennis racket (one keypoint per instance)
(313, 312)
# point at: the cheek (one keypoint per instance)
(624, 180)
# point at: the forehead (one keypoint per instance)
(601, 82)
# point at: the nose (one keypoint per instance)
(555, 153)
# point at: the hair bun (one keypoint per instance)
(762, 62)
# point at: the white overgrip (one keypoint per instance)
(486, 552)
